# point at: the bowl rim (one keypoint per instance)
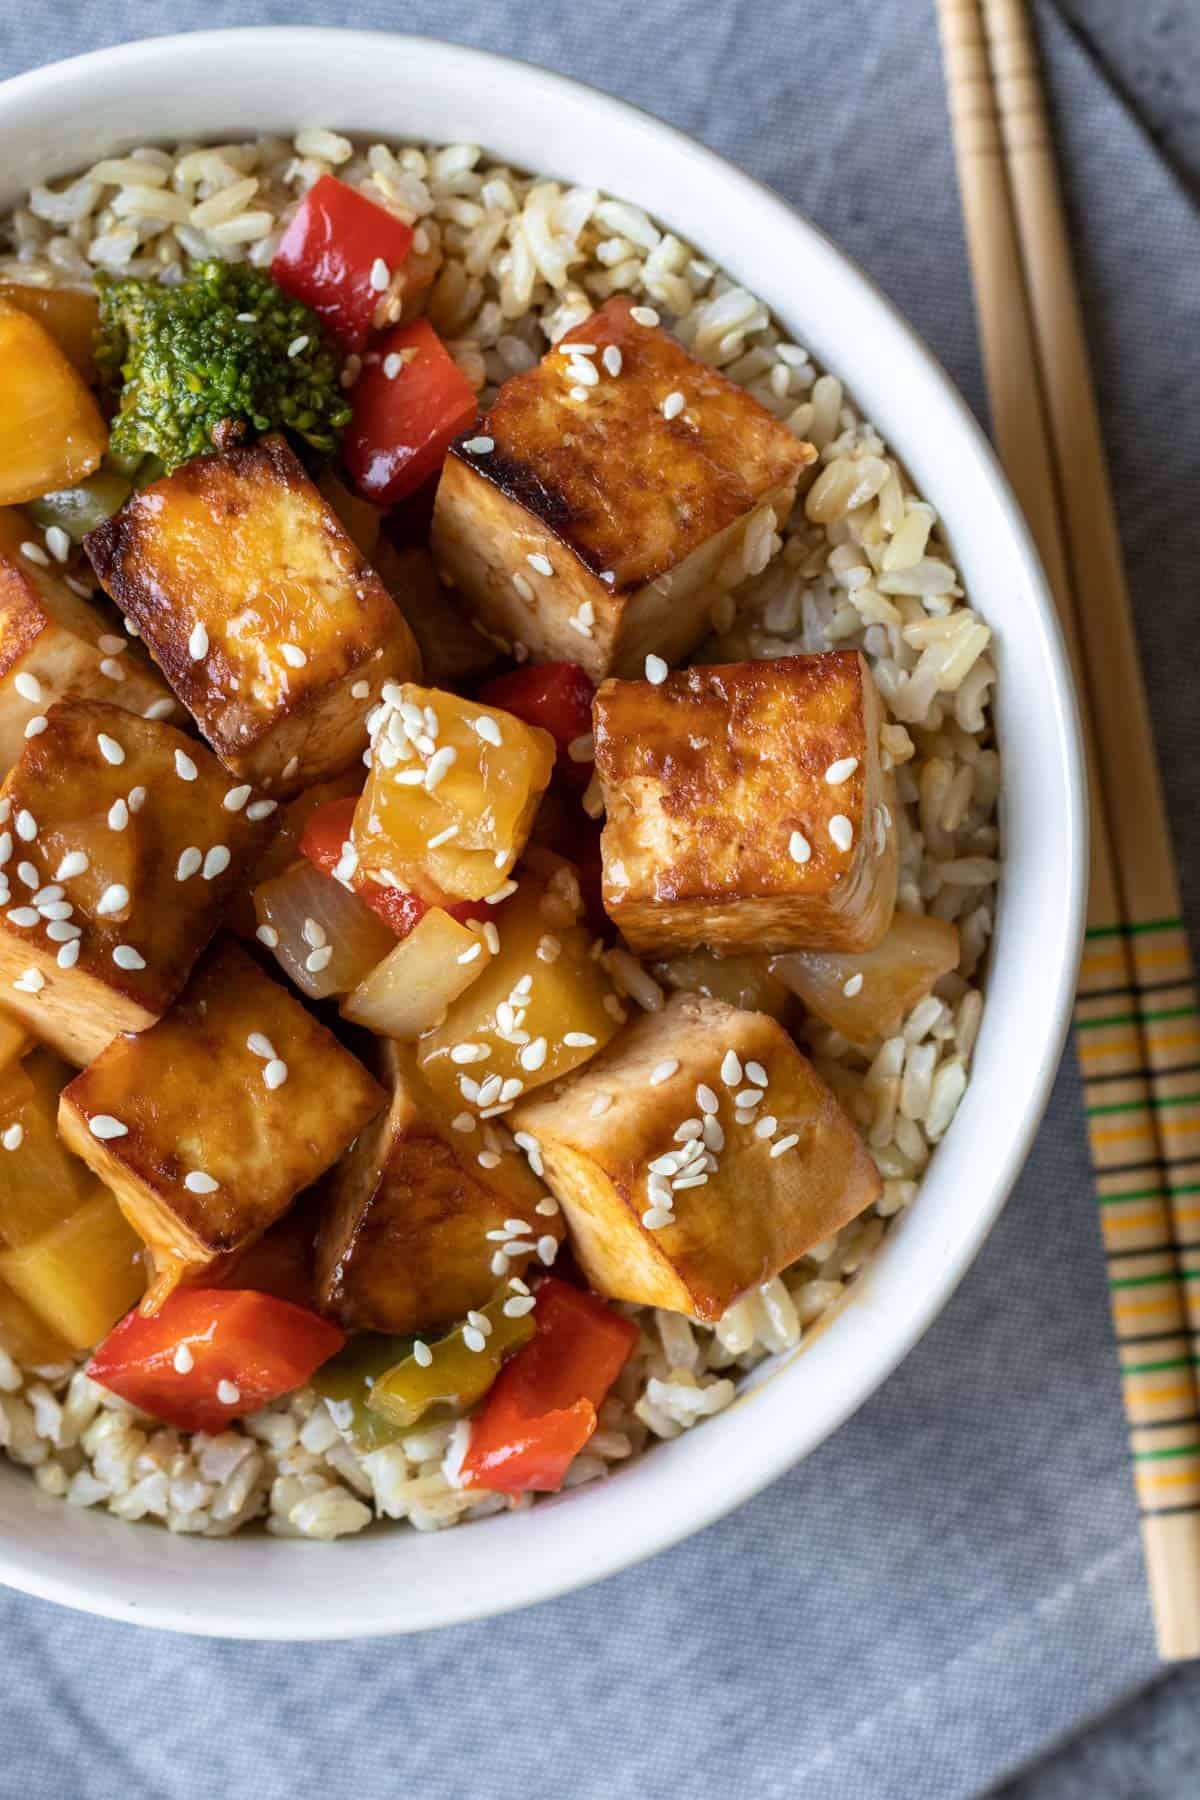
(106, 1593)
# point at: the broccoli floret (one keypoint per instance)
(219, 357)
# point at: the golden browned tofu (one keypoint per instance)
(121, 842)
(612, 508)
(696, 1157)
(207, 1126)
(54, 643)
(420, 1218)
(747, 807)
(255, 602)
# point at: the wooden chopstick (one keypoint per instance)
(1120, 1038)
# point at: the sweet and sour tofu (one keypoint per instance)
(254, 600)
(747, 807)
(611, 495)
(121, 842)
(207, 1126)
(696, 1157)
(419, 1218)
(53, 643)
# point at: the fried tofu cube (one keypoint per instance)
(451, 795)
(121, 842)
(612, 510)
(418, 1216)
(748, 807)
(208, 1125)
(54, 644)
(257, 605)
(697, 1157)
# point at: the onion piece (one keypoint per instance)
(866, 994)
(412, 987)
(357, 937)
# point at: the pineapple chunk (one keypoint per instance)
(25, 1337)
(51, 431)
(65, 1250)
(448, 810)
(188, 1125)
(14, 1040)
(263, 615)
(123, 823)
(608, 516)
(404, 1244)
(409, 991)
(53, 644)
(655, 1221)
(453, 653)
(748, 808)
(746, 982)
(70, 315)
(866, 994)
(541, 1007)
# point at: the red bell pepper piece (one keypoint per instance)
(541, 1410)
(558, 697)
(328, 828)
(260, 1346)
(327, 253)
(408, 409)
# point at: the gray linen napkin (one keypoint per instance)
(954, 1581)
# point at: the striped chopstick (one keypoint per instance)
(1121, 1040)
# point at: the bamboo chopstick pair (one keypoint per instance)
(1137, 1032)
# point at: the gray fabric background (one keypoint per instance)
(952, 1585)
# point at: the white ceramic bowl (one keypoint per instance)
(220, 83)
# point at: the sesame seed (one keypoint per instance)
(663, 1071)
(522, 586)
(440, 838)
(706, 1100)
(228, 1393)
(582, 749)
(757, 1074)
(469, 1053)
(549, 948)
(319, 960)
(463, 1121)
(159, 709)
(28, 873)
(23, 917)
(114, 899)
(111, 646)
(673, 405)
(26, 826)
(111, 669)
(59, 930)
(183, 1361)
(533, 1056)
(185, 768)
(392, 365)
(600, 1106)
(126, 957)
(714, 1137)
(731, 1068)
(614, 1009)
(474, 1340)
(422, 1354)
(655, 1217)
(198, 641)
(540, 563)
(314, 935)
(411, 778)
(198, 1182)
(104, 1127)
(689, 1181)
(440, 764)
(748, 1097)
(579, 1040)
(689, 1129)
(480, 446)
(841, 831)
(189, 861)
(578, 623)
(549, 1207)
(294, 656)
(518, 1306)
(799, 848)
(380, 275)
(35, 553)
(13, 1137)
(266, 934)
(612, 359)
(501, 893)
(547, 1249)
(643, 315)
(30, 981)
(58, 543)
(290, 767)
(488, 1159)
(261, 809)
(491, 937)
(68, 956)
(216, 862)
(841, 770)
(767, 1126)
(118, 815)
(137, 799)
(298, 344)
(360, 690)
(110, 750)
(785, 1143)
(236, 798)
(656, 670)
(580, 370)
(853, 986)
(36, 725)
(275, 1073)
(260, 1045)
(489, 1090)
